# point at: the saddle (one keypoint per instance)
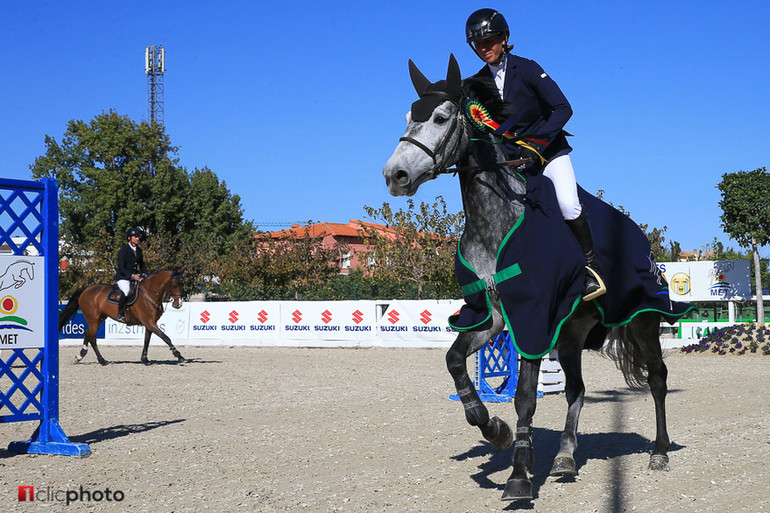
(133, 293)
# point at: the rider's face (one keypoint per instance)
(491, 49)
(134, 240)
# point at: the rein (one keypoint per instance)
(158, 300)
(441, 169)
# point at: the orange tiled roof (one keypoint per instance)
(351, 229)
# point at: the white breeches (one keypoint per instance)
(124, 286)
(560, 171)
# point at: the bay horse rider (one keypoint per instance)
(130, 268)
(532, 107)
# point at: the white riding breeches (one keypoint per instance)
(124, 286)
(560, 171)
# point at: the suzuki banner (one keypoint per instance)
(249, 320)
(417, 323)
(301, 323)
(321, 321)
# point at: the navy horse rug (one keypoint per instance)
(541, 271)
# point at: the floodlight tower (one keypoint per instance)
(154, 67)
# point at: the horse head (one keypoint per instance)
(176, 289)
(436, 133)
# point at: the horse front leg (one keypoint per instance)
(495, 430)
(157, 331)
(570, 359)
(519, 485)
(147, 335)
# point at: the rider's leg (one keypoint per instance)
(124, 286)
(560, 172)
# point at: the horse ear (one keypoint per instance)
(419, 81)
(453, 77)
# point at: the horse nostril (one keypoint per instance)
(402, 177)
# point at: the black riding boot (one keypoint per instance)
(594, 285)
(122, 307)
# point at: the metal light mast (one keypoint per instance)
(154, 67)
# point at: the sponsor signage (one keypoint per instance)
(414, 322)
(328, 320)
(718, 280)
(174, 323)
(237, 319)
(22, 310)
(76, 327)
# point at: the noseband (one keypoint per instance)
(440, 149)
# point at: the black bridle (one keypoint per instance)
(440, 149)
(437, 168)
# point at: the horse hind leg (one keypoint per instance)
(83, 352)
(645, 333)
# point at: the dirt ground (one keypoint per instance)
(327, 430)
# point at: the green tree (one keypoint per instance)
(114, 173)
(745, 216)
(419, 245)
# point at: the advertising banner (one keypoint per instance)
(321, 321)
(252, 320)
(718, 280)
(76, 327)
(174, 323)
(416, 323)
(22, 311)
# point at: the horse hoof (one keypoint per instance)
(659, 462)
(563, 466)
(504, 438)
(146, 361)
(180, 359)
(103, 362)
(517, 489)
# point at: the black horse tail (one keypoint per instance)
(71, 309)
(624, 350)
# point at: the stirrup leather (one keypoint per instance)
(598, 292)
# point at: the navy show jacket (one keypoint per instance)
(533, 105)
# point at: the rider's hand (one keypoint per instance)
(529, 153)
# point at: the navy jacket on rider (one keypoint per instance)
(532, 106)
(129, 262)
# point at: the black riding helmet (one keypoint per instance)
(133, 232)
(485, 23)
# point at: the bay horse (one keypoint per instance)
(145, 311)
(494, 197)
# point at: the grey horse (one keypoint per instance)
(493, 198)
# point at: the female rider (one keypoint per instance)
(535, 110)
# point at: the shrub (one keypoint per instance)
(736, 339)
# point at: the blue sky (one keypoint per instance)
(297, 105)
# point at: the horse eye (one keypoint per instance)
(439, 119)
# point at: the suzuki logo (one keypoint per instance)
(326, 316)
(358, 316)
(205, 316)
(262, 317)
(393, 316)
(425, 316)
(233, 316)
(296, 316)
